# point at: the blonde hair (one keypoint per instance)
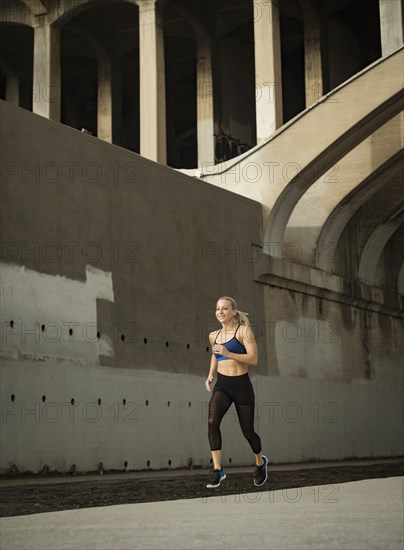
(241, 316)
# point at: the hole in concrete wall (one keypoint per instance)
(70, 331)
(189, 403)
(187, 346)
(124, 401)
(145, 340)
(11, 324)
(98, 334)
(229, 460)
(126, 463)
(99, 401)
(148, 463)
(43, 398)
(122, 337)
(168, 403)
(207, 349)
(166, 344)
(12, 397)
(211, 461)
(43, 328)
(169, 462)
(147, 402)
(72, 401)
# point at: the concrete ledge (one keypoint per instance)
(313, 281)
(156, 474)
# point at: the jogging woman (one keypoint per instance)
(233, 348)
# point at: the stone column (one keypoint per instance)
(153, 141)
(206, 138)
(46, 82)
(104, 113)
(391, 25)
(268, 72)
(312, 59)
(117, 120)
(13, 89)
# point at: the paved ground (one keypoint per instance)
(306, 511)
(355, 515)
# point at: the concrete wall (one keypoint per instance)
(342, 368)
(96, 238)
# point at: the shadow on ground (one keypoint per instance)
(23, 499)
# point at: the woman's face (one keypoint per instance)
(224, 311)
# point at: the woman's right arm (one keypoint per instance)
(212, 369)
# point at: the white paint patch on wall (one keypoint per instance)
(38, 310)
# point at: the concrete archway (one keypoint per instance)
(346, 208)
(377, 241)
(278, 172)
(106, 36)
(205, 86)
(69, 10)
(12, 84)
(312, 211)
(16, 61)
(349, 138)
(36, 7)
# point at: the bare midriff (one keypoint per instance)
(231, 367)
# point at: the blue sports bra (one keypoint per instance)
(233, 345)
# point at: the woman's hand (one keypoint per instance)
(221, 350)
(208, 382)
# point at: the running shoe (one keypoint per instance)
(261, 473)
(216, 477)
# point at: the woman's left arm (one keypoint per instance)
(250, 344)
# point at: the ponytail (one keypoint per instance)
(242, 318)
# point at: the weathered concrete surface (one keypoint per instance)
(278, 172)
(300, 416)
(327, 194)
(111, 265)
(353, 516)
(391, 24)
(159, 240)
(115, 242)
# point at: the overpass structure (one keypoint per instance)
(116, 245)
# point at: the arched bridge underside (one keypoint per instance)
(333, 198)
(112, 261)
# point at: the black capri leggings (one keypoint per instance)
(229, 389)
